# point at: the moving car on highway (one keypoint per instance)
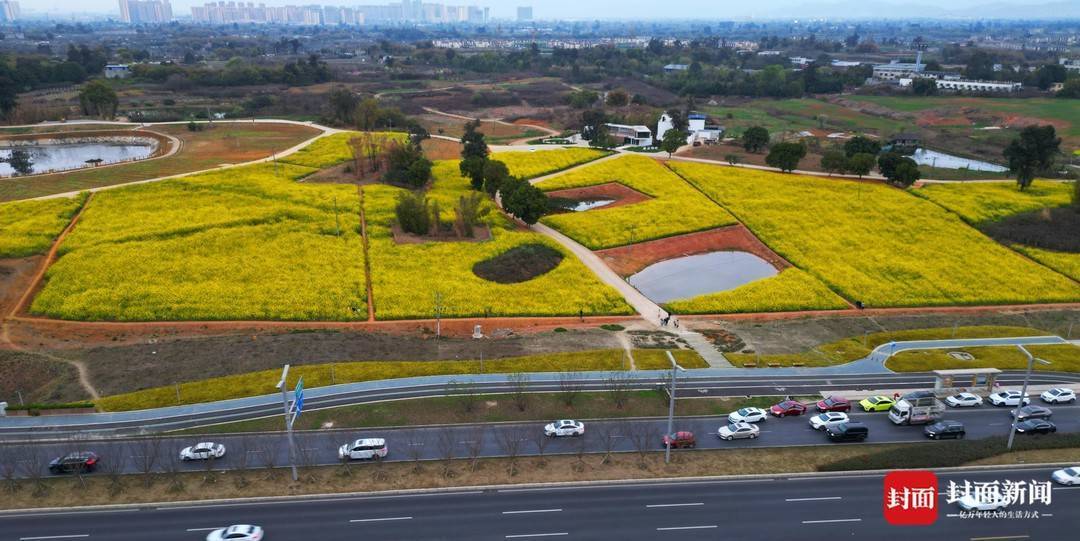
(1032, 412)
(849, 431)
(964, 400)
(788, 407)
(736, 431)
(1067, 476)
(1007, 398)
(821, 420)
(82, 462)
(680, 440)
(945, 429)
(876, 403)
(364, 449)
(1058, 395)
(202, 451)
(564, 427)
(240, 532)
(1035, 426)
(834, 403)
(990, 501)
(748, 415)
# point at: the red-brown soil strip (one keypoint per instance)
(39, 277)
(621, 193)
(627, 260)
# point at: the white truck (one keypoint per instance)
(919, 407)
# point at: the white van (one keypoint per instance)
(363, 449)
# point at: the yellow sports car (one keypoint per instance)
(876, 403)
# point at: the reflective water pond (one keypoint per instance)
(63, 157)
(934, 158)
(588, 204)
(694, 275)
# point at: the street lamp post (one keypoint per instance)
(671, 407)
(288, 422)
(1023, 392)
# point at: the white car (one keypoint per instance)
(737, 431)
(964, 400)
(240, 532)
(1007, 398)
(820, 421)
(1067, 476)
(564, 427)
(748, 415)
(364, 449)
(202, 451)
(1058, 395)
(988, 502)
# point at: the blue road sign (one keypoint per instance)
(298, 397)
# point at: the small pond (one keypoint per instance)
(694, 275)
(63, 157)
(934, 158)
(587, 204)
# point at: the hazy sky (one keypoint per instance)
(652, 9)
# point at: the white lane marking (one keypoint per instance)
(54, 537)
(5, 515)
(531, 511)
(379, 519)
(687, 528)
(832, 520)
(673, 505)
(813, 499)
(555, 534)
(204, 529)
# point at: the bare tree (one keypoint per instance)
(145, 454)
(569, 388)
(306, 459)
(416, 452)
(579, 453)
(519, 389)
(618, 388)
(466, 393)
(9, 467)
(542, 442)
(174, 475)
(447, 447)
(241, 453)
(32, 459)
(268, 456)
(114, 469)
(510, 440)
(609, 438)
(475, 446)
(643, 436)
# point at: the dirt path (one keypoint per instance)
(521, 141)
(628, 347)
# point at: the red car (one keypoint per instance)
(680, 440)
(834, 403)
(788, 407)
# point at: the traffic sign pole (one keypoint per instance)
(288, 421)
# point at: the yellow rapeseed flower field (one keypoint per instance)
(332, 149)
(1064, 262)
(991, 201)
(676, 207)
(791, 290)
(877, 244)
(30, 227)
(407, 277)
(526, 165)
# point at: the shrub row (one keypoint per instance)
(945, 455)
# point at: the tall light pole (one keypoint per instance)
(288, 422)
(1023, 392)
(675, 368)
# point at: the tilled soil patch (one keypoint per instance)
(627, 260)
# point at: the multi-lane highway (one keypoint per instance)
(716, 383)
(503, 439)
(781, 508)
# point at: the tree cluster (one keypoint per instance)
(1032, 153)
(519, 198)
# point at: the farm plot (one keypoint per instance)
(676, 207)
(791, 290)
(29, 227)
(420, 280)
(241, 244)
(526, 165)
(875, 244)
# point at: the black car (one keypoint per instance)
(945, 429)
(1036, 426)
(83, 462)
(849, 431)
(1032, 412)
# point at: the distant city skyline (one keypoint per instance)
(675, 9)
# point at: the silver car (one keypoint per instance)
(736, 431)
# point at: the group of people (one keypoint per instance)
(665, 319)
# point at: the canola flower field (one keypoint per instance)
(407, 277)
(526, 164)
(675, 207)
(791, 290)
(876, 244)
(30, 227)
(333, 149)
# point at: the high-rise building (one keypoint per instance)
(524, 13)
(229, 12)
(145, 11)
(9, 11)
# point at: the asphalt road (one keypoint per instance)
(781, 508)
(498, 439)
(142, 422)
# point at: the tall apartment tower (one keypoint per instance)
(145, 11)
(9, 11)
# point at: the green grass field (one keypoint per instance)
(795, 115)
(1063, 112)
(676, 207)
(877, 244)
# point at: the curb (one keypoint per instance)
(513, 487)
